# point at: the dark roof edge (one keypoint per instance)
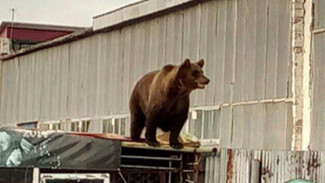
(55, 42)
(40, 26)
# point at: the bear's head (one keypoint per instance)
(191, 76)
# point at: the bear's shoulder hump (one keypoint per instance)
(168, 68)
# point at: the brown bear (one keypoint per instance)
(160, 99)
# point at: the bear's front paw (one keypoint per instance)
(153, 143)
(176, 145)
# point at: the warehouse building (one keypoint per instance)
(264, 59)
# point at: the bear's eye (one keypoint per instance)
(195, 73)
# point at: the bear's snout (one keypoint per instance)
(207, 81)
(202, 82)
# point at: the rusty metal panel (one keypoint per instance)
(244, 165)
(318, 99)
(319, 14)
(280, 166)
(237, 165)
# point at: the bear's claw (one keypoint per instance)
(153, 143)
(177, 145)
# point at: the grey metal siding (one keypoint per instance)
(318, 100)
(318, 85)
(268, 119)
(246, 45)
(319, 6)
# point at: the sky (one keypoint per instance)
(58, 12)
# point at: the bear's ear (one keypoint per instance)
(200, 63)
(186, 63)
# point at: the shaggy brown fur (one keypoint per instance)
(161, 99)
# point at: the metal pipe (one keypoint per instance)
(170, 173)
(181, 168)
(196, 169)
(150, 167)
(151, 158)
(188, 171)
(12, 28)
(317, 31)
(36, 175)
(210, 149)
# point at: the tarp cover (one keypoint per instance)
(57, 150)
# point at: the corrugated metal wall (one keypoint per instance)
(318, 73)
(318, 115)
(319, 14)
(243, 166)
(246, 45)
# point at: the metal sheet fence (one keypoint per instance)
(254, 166)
